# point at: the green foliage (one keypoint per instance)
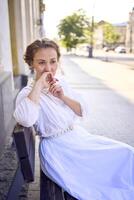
(110, 34)
(74, 29)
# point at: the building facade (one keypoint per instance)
(130, 33)
(21, 22)
(121, 30)
(99, 34)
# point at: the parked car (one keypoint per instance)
(120, 49)
(106, 48)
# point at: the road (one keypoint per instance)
(111, 56)
(111, 110)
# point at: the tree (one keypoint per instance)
(111, 37)
(72, 30)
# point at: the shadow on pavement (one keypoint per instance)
(110, 114)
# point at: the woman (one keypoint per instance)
(88, 167)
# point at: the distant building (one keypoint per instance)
(130, 33)
(99, 34)
(121, 29)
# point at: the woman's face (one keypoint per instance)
(45, 60)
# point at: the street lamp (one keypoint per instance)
(90, 55)
(90, 52)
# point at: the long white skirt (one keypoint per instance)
(89, 167)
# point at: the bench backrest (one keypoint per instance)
(24, 139)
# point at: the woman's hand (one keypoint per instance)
(46, 80)
(56, 90)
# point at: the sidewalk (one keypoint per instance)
(111, 101)
(116, 76)
(34, 187)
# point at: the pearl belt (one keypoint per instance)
(58, 133)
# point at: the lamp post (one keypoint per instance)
(90, 52)
(90, 55)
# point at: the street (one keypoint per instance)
(108, 88)
(111, 56)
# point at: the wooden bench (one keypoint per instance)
(24, 139)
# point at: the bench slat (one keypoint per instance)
(25, 145)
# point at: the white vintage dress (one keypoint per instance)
(89, 167)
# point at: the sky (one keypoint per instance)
(113, 11)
